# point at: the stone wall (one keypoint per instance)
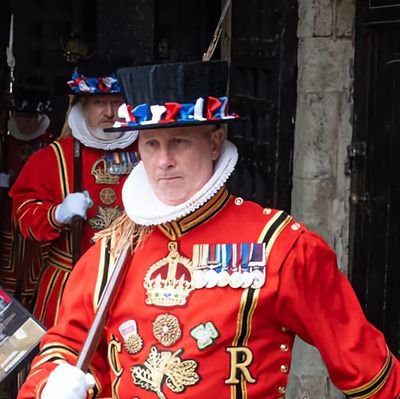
(323, 132)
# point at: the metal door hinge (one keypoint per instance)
(355, 150)
(360, 199)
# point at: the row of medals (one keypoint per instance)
(235, 265)
(210, 278)
(121, 163)
(107, 170)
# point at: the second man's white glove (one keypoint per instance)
(67, 382)
(74, 204)
(4, 180)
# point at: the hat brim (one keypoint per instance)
(28, 111)
(87, 94)
(166, 125)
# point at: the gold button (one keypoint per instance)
(267, 211)
(295, 226)
(284, 369)
(238, 201)
(282, 390)
(284, 348)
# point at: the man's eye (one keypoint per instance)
(179, 140)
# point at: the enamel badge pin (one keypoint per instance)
(133, 342)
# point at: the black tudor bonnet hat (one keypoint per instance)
(95, 76)
(173, 95)
(30, 100)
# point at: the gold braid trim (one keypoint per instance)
(369, 390)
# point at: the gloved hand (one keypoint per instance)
(4, 180)
(67, 382)
(74, 204)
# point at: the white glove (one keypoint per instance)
(74, 204)
(4, 180)
(67, 382)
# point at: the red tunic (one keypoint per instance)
(224, 342)
(43, 184)
(20, 260)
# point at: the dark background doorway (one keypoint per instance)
(375, 198)
(263, 58)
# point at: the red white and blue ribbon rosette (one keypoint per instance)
(80, 84)
(211, 109)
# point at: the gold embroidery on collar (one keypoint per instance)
(175, 229)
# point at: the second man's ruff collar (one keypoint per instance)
(81, 132)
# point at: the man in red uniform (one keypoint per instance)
(217, 287)
(28, 131)
(79, 176)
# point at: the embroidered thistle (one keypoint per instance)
(104, 217)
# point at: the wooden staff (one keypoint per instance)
(77, 221)
(96, 329)
(217, 33)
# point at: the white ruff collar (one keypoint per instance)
(143, 207)
(82, 132)
(41, 129)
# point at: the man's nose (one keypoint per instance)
(165, 158)
(109, 111)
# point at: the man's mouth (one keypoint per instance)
(106, 123)
(169, 178)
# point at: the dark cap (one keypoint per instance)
(30, 100)
(179, 94)
(96, 76)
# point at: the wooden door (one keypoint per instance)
(373, 156)
(263, 88)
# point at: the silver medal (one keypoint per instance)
(259, 279)
(247, 279)
(199, 279)
(223, 279)
(235, 280)
(211, 278)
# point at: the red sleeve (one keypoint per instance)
(63, 342)
(35, 195)
(317, 302)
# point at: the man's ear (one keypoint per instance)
(217, 138)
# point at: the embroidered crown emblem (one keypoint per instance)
(168, 282)
(101, 174)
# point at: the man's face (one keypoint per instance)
(179, 161)
(27, 122)
(101, 112)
